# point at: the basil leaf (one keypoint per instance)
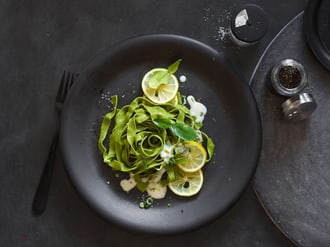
(163, 77)
(158, 78)
(162, 123)
(209, 146)
(183, 131)
(174, 66)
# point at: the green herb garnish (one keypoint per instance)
(181, 130)
(163, 77)
(147, 203)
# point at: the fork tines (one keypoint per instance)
(66, 82)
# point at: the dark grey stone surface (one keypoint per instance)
(293, 177)
(41, 39)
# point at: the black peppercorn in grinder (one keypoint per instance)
(288, 77)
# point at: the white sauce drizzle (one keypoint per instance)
(167, 153)
(128, 184)
(155, 189)
(197, 109)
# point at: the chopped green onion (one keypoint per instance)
(147, 203)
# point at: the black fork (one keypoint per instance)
(41, 195)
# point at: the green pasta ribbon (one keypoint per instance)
(140, 131)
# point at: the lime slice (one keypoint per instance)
(164, 93)
(175, 100)
(187, 183)
(193, 157)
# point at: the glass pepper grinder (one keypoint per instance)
(289, 78)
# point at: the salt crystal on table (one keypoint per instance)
(183, 78)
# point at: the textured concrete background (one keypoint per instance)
(41, 39)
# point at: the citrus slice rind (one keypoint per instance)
(175, 100)
(187, 184)
(193, 157)
(164, 93)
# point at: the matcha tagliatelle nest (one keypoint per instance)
(139, 134)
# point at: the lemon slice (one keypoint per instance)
(187, 183)
(193, 157)
(164, 93)
(175, 100)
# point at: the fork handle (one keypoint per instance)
(41, 196)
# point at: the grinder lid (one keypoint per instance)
(249, 23)
(317, 29)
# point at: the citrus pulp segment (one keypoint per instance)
(193, 157)
(165, 92)
(187, 183)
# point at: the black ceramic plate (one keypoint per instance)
(317, 29)
(232, 121)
